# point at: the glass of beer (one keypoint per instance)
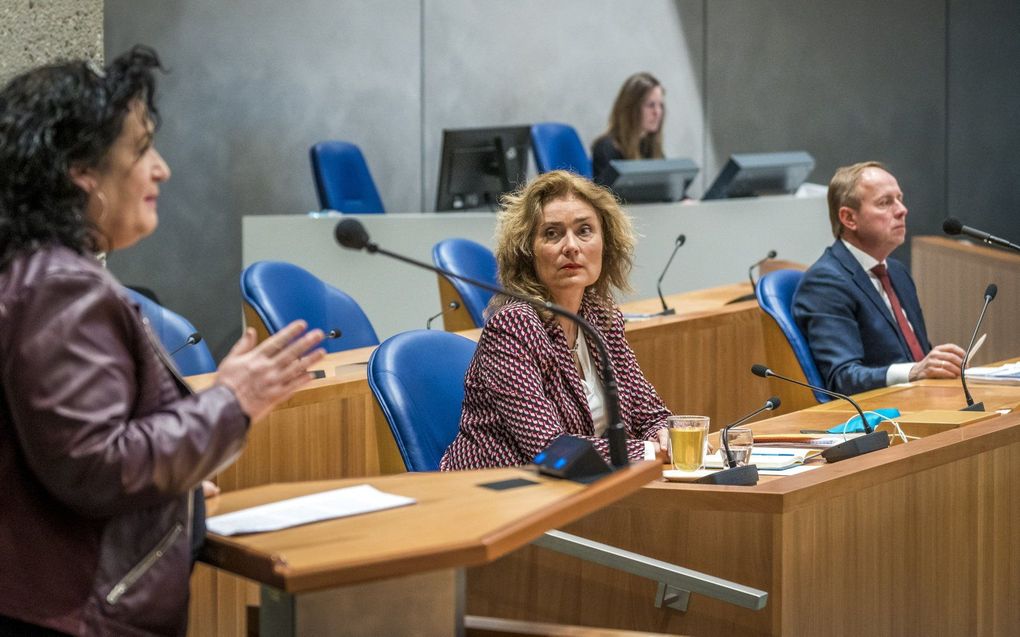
(688, 440)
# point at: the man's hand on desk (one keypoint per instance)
(943, 361)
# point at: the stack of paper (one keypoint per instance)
(1008, 373)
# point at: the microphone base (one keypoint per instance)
(741, 299)
(975, 407)
(857, 447)
(746, 476)
(669, 311)
(572, 458)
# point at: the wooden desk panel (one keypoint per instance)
(917, 539)
(951, 277)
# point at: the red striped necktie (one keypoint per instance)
(908, 333)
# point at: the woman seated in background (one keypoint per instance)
(534, 377)
(102, 445)
(635, 126)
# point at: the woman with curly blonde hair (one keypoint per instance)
(534, 378)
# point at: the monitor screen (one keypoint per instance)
(480, 164)
(753, 174)
(648, 180)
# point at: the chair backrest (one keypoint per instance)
(558, 147)
(281, 292)
(470, 259)
(775, 292)
(173, 331)
(342, 179)
(418, 379)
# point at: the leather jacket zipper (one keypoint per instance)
(142, 567)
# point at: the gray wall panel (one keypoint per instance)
(984, 107)
(845, 81)
(252, 86)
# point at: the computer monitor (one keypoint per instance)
(480, 164)
(647, 180)
(753, 174)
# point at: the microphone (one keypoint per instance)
(953, 226)
(351, 234)
(733, 475)
(757, 264)
(990, 293)
(750, 270)
(451, 306)
(667, 310)
(871, 440)
(192, 339)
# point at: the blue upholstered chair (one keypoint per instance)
(558, 147)
(282, 292)
(775, 295)
(173, 331)
(470, 259)
(342, 179)
(418, 379)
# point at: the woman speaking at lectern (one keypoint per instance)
(534, 377)
(102, 445)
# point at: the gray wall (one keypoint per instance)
(926, 86)
(34, 33)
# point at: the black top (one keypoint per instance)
(603, 151)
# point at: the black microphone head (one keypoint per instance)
(952, 225)
(680, 240)
(760, 370)
(771, 254)
(334, 333)
(991, 291)
(351, 234)
(773, 403)
(195, 338)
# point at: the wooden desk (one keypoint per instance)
(456, 522)
(917, 539)
(951, 277)
(698, 360)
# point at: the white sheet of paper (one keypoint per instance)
(305, 509)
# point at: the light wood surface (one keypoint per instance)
(917, 539)
(951, 277)
(454, 320)
(456, 521)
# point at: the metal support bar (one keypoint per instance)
(676, 583)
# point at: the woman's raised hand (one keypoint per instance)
(264, 375)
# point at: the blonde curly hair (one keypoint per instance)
(520, 217)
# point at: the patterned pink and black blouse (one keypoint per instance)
(522, 390)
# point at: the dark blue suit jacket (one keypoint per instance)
(853, 335)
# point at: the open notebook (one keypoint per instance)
(771, 458)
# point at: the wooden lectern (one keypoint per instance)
(400, 571)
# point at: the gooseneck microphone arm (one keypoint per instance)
(871, 440)
(451, 306)
(192, 339)
(765, 372)
(351, 234)
(953, 226)
(990, 293)
(667, 310)
(757, 264)
(769, 405)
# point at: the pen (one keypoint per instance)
(977, 346)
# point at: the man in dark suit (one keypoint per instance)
(857, 307)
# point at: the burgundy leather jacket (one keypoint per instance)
(522, 390)
(101, 445)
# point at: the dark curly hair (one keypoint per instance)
(53, 118)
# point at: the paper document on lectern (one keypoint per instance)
(306, 509)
